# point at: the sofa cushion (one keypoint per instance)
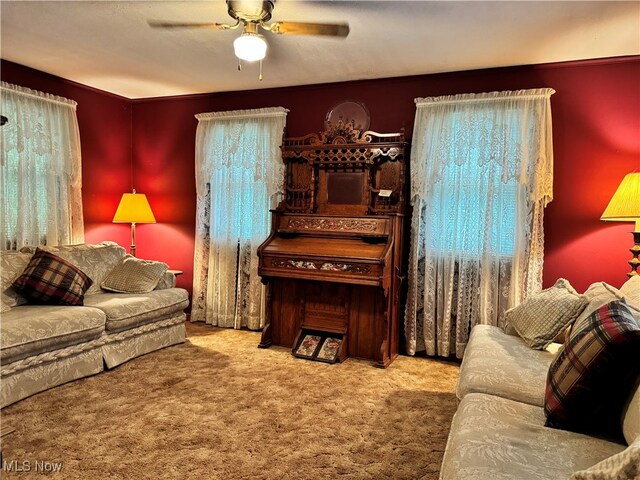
(631, 417)
(61, 248)
(12, 264)
(49, 279)
(128, 310)
(542, 316)
(497, 438)
(503, 365)
(591, 379)
(29, 330)
(96, 260)
(624, 465)
(134, 275)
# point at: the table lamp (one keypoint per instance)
(625, 207)
(134, 208)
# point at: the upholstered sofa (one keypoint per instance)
(43, 346)
(499, 432)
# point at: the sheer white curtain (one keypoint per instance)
(482, 173)
(41, 172)
(239, 176)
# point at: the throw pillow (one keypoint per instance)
(598, 294)
(52, 280)
(622, 466)
(134, 275)
(590, 380)
(542, 316)
(631, 291)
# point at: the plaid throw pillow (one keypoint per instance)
(591, 378)
(51, 280)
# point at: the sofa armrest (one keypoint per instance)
(168, 280)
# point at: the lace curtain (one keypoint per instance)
(482, 173)
(41, 172)
(239, 176)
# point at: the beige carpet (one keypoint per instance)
(217, 407)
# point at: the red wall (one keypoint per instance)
(596, 115)
(104, 121)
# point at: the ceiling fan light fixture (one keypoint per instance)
(250, 47)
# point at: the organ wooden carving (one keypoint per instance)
(333, 260)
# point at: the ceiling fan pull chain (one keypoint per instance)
(260, 76)
(239, 65)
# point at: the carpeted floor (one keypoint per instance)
(217, 407)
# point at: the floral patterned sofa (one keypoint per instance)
(499, 432)
(43, 346)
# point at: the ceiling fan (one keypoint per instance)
(252, 16)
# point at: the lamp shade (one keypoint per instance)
(134, 208)
(625, 203)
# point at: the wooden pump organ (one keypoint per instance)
(333, 260)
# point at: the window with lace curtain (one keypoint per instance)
(40, 173)
(466, 188)
(239, 175)
(482, 173)
(485, 198)
(11, 193)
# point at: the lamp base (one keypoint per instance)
(635, 251)
(133, 239)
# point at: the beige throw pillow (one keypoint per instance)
(631, 292)
(543, 315)
(598, 294)
(134, 275)
(621, 466)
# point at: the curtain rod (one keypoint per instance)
(235, 114)
(27, 92)
(484, 97)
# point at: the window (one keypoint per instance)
(482, 171)
(474, 211)
(41, 171)
(239, 174)
(472, 195)
(14, 216)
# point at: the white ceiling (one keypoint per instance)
(108, 44)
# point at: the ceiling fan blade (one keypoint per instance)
(303, 28)
(215, 26)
